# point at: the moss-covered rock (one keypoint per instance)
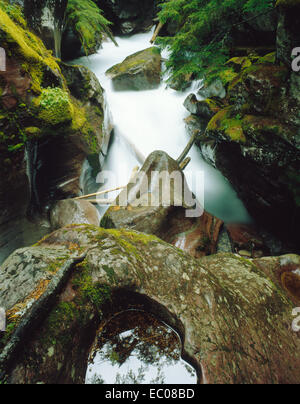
(223, 306)
(256, 140)
(226, 125)
(58, 121)
(259, 88)
(205, 109)
(140, 71)
(36, 92)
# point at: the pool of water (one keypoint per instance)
(136, 348)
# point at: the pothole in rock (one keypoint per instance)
(135, 348)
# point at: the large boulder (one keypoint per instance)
(234, 315)
(163, 205)
(138, 72)
(181, 222)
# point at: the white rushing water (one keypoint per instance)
(154, 120)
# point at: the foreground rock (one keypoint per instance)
(234, 315)
(137, 72)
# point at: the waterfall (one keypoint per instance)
(154, 120)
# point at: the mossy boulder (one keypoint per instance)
(226, 125)
(205, 109)
(259, 88)
(36, 93)
(43, 113)
(258, 131)
(138, 72)
(76, 279)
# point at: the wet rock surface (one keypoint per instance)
(138, 72)
(255, 141)
(233, 314)
(46, 18)
(131, 16)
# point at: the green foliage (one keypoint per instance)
(203, 27)
(87, 20)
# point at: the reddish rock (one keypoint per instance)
(196, 236)
(17, 83)
(245, 237)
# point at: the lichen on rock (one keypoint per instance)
(138, 72)
(227, 309)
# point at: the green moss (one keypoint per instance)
(230, 126)
(56, 265)
(54, 106)
(88, 291)
(270, 58)
(11, 326)
(132, 61)
(227, 76)
(58, 324)
(288, 3)
(239, 63)
(22, 44)
(14, 12)
(32, 132)
(44, 107)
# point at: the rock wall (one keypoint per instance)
(46, 18)
(43, 111)
(129, 16)
(253, 130)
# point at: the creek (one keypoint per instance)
(146, 121)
